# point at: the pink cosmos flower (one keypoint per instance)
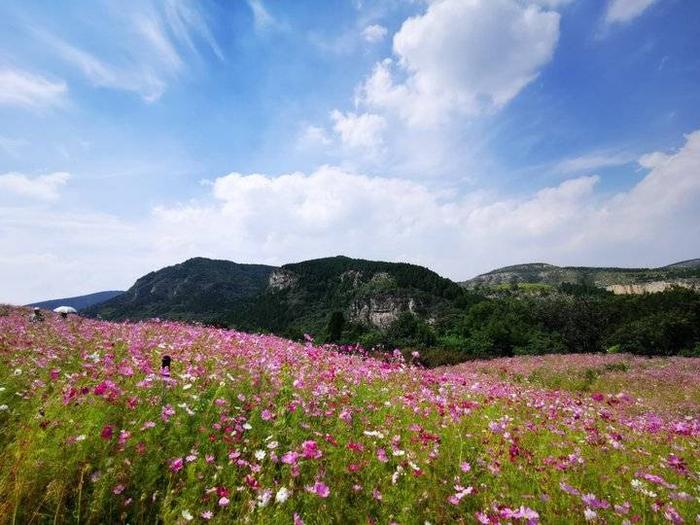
(672, 515)
(310, 450)
(381, 455)
(465, 467)
(653, 478)
(593, 502)
(290, 458)
(527, 514)
(176, 464)
(267, 415)
(124, 437)
(345, 415)
(207, 515)
(320, 489)
(223, 501)
(167, 412)
(298, 520)
(118, 489)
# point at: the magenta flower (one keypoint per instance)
(107, 432)
(176, 464)
(310, 450)
(320, 489)
(266, 415)
(290, 458)
(381, 455)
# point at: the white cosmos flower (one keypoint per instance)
(282, 495)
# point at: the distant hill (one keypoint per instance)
(690, 263)
(618, 280)
(198, 289)
(294, 297)
(80, 302)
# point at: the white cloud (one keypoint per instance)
(363, 131)
(145, 48)
(374, 33)
(258, 218)
(621, 11)
(43, 187)
(330, 211)
(593, 161)
(21, 88)
(462, 57)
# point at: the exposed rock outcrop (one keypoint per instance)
(651, 287)
(281, 279)
(380, 311)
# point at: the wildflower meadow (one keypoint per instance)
(258, 429)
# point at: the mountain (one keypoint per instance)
(198, 289)
(398, 305)
(368, 293)
(80, 302)
(690, 263)
(618, 280)
(294, 297)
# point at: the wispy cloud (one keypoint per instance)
(261, 16)
(43, 187)
(593, 161)
(621, 11)
(21, 88)
(145, 50)
(374, 33)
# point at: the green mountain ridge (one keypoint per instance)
(684, 273)
(293, 296)
(523, 309)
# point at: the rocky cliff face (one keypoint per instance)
(380, 311)
(652, 287)
(282, 279)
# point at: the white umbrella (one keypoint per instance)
(65, 310)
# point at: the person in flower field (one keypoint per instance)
(165, 366)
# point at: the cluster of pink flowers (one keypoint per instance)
(260, 419)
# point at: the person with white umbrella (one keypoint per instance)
(65, 310)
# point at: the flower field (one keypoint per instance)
(259, 429)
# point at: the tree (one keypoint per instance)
(334, 329)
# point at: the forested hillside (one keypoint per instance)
(395, 305)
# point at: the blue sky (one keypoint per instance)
(459, 134)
